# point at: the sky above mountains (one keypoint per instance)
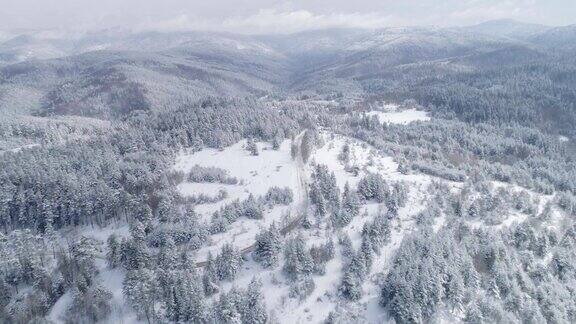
(272, 16)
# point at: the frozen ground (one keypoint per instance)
(256, 174)
(400, 117)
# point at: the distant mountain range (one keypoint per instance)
(110, 73)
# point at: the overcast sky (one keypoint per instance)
(264, 16)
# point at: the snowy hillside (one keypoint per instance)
(250, 169)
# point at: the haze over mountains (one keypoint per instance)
(157, 69)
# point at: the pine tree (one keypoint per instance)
(377, 232)
(185, 301)
(473, 314)
(268, 247)
(253, 310)
(228, 308)
(140, 290)
(341, 218)
(167, 257)
(251, 208)
(228, 262)
(138, 231)
(306, 223)
(321, 207)
(351, 286)
(276, 143)
(90, 305)
(367, 252)
(134, 254)
(358, 265)
(344, 155)
(252, 147)
(298, 260)
(373, 186)
(113, 255)
(210, 276)
(350, 201)
(347, 249)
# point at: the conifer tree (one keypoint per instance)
(253, 309)
(297, 258)
(210, 276)
(140, 290)
(268, 247)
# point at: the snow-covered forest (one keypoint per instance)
(398, 175)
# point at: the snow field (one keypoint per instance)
(400, 117)
(256, 174)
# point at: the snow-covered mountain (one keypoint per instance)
(559, 37)
(98, 74)
(507, 28)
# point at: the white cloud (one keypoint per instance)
(272, 21)
(264, 16)
(479, 11)
(178, 23)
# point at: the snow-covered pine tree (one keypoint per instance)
(344, 155)
(227, 309)
(210, 276)
(350, 201)
(297, 258)
(253, 310)
(346, 243)
(228, 262)
(113, 254)
(140, 290)
(351, 286)
(252, 147)
(168, 255)
(268, 247)
(341, 218)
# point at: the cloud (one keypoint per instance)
(479, 11)
(272, 21)
(265, 16)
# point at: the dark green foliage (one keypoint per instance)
(228, 262)
(297, 259)
(242, 306)
(210, 174)
(268, 247)
(324, 191)
(418, 283)
(90, 305)
(373, 187)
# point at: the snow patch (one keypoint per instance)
(403, 117)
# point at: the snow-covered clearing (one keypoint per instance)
(400, 117)
(256, 174)
(59, 308)
(20, 148)
(316, 307)
(516, 217)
